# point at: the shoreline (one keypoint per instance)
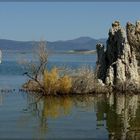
(81, 52)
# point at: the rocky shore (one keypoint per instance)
(117, 67)
(118, 63)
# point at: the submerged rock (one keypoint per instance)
(118, 65)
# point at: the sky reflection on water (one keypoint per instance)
(23, 115)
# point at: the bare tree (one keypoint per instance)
(34, 70)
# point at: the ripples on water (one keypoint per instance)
(28, 116)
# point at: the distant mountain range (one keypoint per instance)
(81, 43)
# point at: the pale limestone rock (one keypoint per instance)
(121, 71)
(133, 36)
(119, 64)
(100, 82)
(110, 76)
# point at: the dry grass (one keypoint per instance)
(78, 81)
(50, 81)
(54, 83)
(65, 84)
(84, 81)
(62, 80)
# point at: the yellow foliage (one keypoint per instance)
(65, 84)
(53, 83)
(50, 80)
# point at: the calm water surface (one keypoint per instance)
(23, 115)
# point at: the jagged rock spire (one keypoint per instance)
(118, 64)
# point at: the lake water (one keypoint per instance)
(24, 115)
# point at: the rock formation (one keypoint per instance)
(118, 64)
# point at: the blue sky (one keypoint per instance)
(62, 21)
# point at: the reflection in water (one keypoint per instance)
(1, 99)
(122, 116)
(118, 113)
(56, 107)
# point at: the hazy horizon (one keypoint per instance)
(52, 40)
(54, 21)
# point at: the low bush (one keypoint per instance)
(54, 83)
(60, 81)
